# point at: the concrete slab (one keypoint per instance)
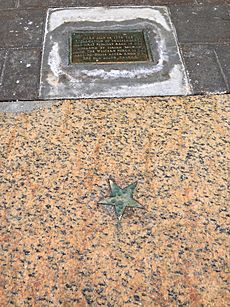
(25, 106)
(60, 79)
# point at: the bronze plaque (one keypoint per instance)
(108, 47)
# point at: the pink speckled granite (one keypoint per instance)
(60, 248)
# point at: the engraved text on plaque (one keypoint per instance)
(108, 47)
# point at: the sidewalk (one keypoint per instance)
(60, 246)
(203, 29)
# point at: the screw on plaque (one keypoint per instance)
(121, 198)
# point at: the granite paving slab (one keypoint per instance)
(21, 62)
(199, 24)
(61, 247)
(204, 72)
(6, 4)
(21, 28)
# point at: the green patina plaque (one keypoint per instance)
(109, 47)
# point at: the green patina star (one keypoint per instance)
(121, 198)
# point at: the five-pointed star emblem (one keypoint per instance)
(121, 198)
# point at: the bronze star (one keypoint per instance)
(121, 198)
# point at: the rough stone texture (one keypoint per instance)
(223, 54)
(203, 69)
(60, 248)
(26, 63)
(21, 28)
(199, 24)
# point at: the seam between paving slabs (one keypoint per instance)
(221, 69)
(17, 3)
(3, 67)
(43, 48)
(181, 55)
